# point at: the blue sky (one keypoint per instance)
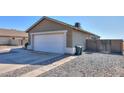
(111, 27)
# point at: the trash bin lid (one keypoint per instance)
(79, 46)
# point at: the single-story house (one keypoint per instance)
(13, 37)
(51, 35)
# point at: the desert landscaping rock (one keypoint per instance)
(90, 65)
(86, 65)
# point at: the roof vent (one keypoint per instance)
(77, 24)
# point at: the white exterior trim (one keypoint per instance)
(66, 50)
(70, 50)
(48, 32)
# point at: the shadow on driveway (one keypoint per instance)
(91, 52)
(28, 57)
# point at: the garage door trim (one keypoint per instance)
(49, 32)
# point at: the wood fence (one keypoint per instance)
(105, 46)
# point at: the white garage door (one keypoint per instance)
(49, 43)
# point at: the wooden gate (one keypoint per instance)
(105, 46)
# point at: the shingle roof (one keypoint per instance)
(60, 22)
(12, 32)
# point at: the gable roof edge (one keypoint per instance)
(60, 22)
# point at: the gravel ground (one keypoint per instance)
(90, 65)
(20, 71)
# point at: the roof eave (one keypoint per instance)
(41, 19)
(44, 17)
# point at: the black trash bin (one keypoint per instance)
(78, 50)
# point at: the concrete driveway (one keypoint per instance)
(19, 59)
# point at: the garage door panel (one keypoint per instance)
(49, 43)
(4, 40)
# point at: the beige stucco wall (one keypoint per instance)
(105, 46)
(52, 26)
(47, 25)
(117, 45)
(14, 42)
(4, 40)
(18, 41)
(11, 41)
(74, 37)
(79, 38)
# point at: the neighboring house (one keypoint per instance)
(51, 35)
(13, 37)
